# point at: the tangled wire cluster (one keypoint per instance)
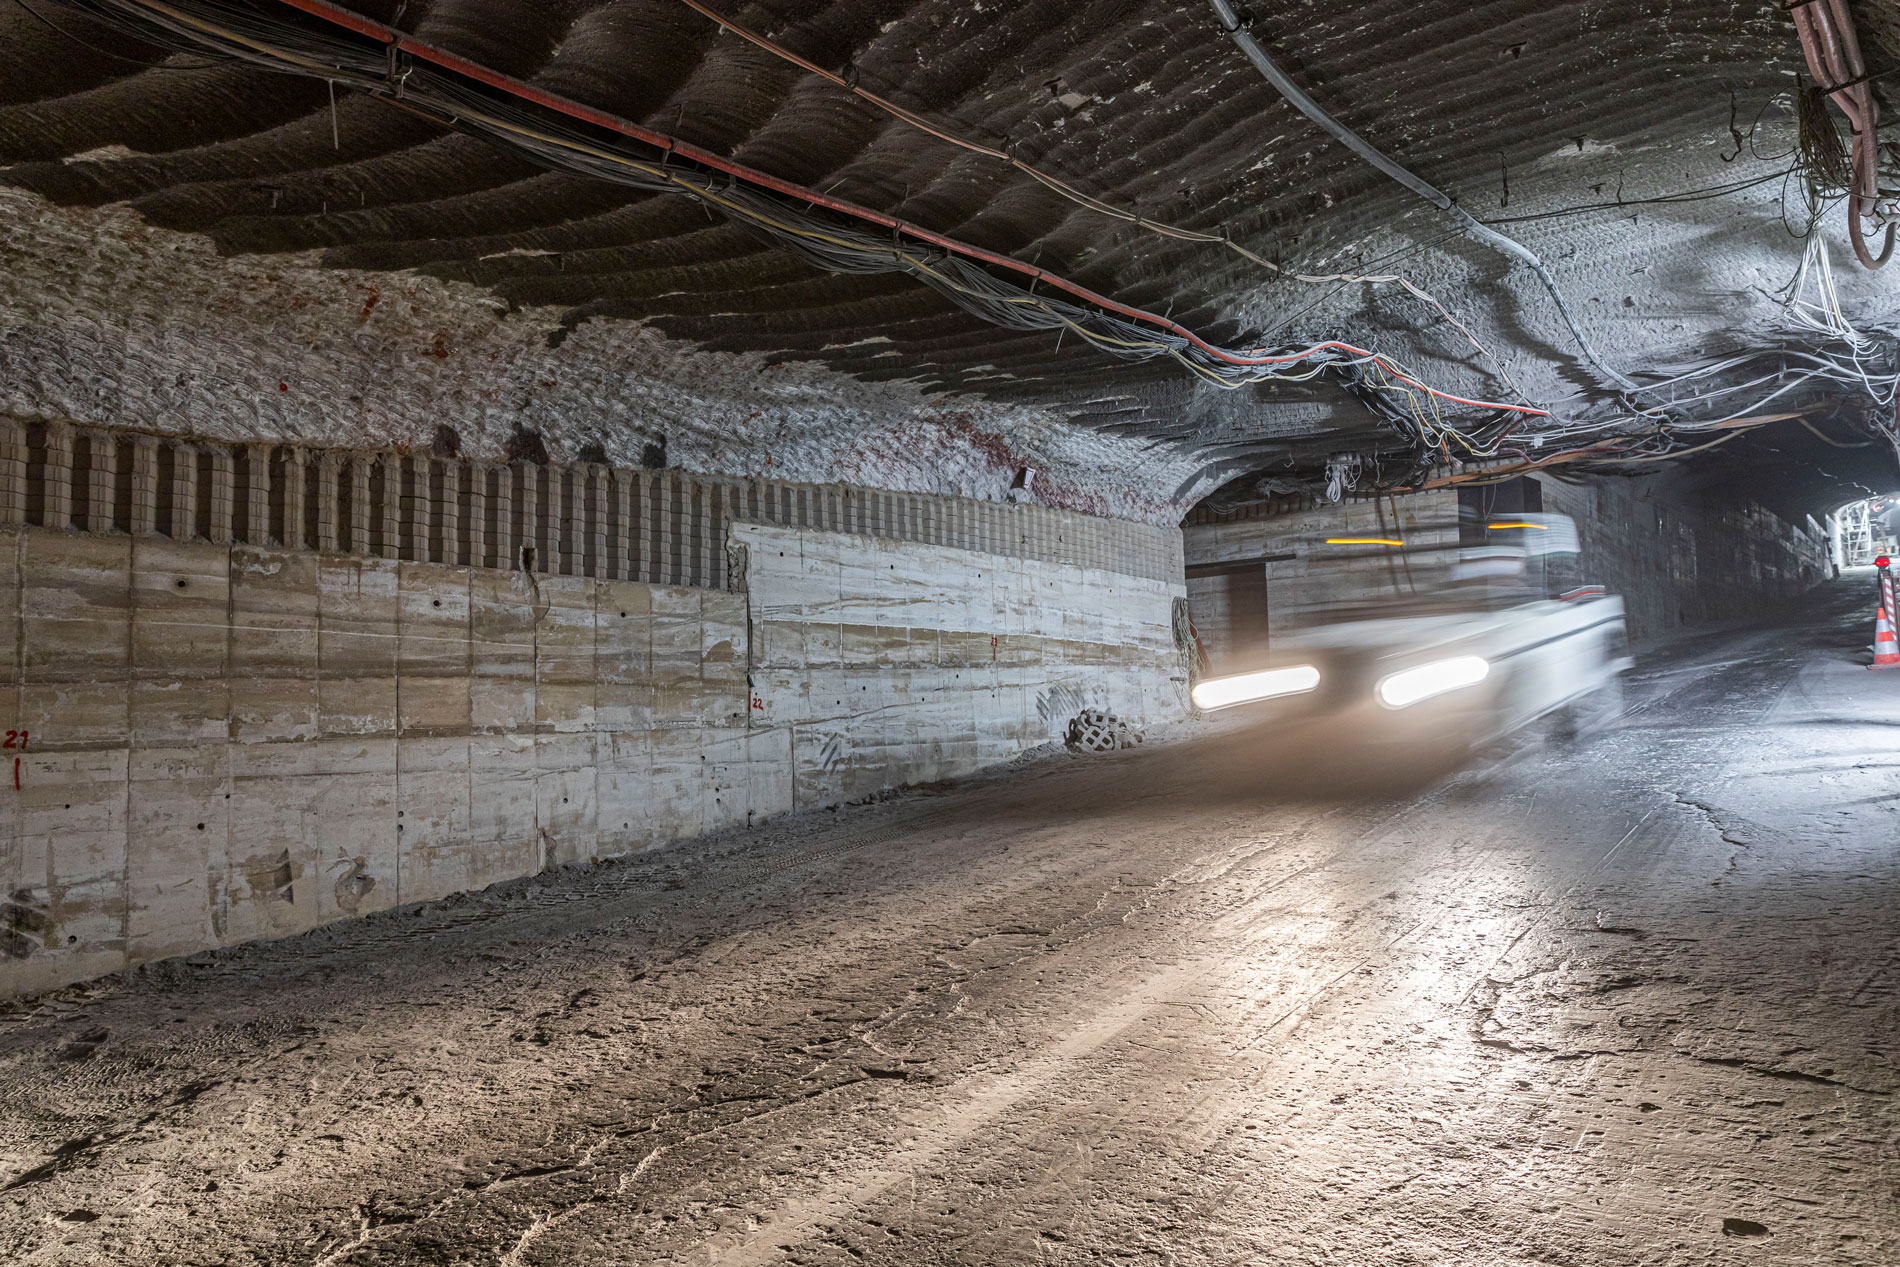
(1646, 423)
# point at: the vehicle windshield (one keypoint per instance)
(1439, 602)
(1444, 569)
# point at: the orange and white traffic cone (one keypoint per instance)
(1886, 652)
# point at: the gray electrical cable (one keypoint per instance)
(1270, 69)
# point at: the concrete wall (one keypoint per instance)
(1684, 559)
(1677, 559)
(212, 743)
(887, 662)
(664, 526)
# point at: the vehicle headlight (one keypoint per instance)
(1409, 686)
(1243, 688)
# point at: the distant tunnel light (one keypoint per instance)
(1363, 541)
(1409, 686)
(1514, 523)
(1243, 688)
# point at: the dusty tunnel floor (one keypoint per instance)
(1632, 1001)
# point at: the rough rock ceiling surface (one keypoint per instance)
(255, 185)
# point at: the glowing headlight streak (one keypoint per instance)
(1519, 524)
(1244, 688)
(1409, 686)
(1363, 541)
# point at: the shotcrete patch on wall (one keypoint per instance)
(104, 319)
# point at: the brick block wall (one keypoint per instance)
(665, 527)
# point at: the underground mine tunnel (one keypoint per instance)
(896, 631)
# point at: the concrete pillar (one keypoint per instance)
(400, 498)
(220, 494)
(731, 507)
(405, 509)
(531, 534)
(554, 519)
(12, 472)
(596, 502)
(392, 506)
(294, 486)
(718, 515)
(668, 536)
(621, 496)
(620, 554)
(452, 512)
(359, 504)
(102, 468)
(507, 543)
(329, 504)
(477, 477)
(711, 495)
(432, 512)
(257, 501)
(58, 511)
(144, 487)
(693, 531)
(537, 504)
(507, 547)
(184, 493)
(560, 531)
(420, 508)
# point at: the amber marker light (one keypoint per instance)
(1363, 541)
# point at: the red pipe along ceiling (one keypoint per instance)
(399, 42)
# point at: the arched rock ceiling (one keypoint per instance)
(224, 227)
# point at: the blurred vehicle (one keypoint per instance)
(1480, 649)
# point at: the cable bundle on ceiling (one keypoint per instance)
(345, 48)
(567, 137)
(1832, 49)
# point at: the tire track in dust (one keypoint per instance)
(975, 1104)
(946, 1125)
(971, 1104)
